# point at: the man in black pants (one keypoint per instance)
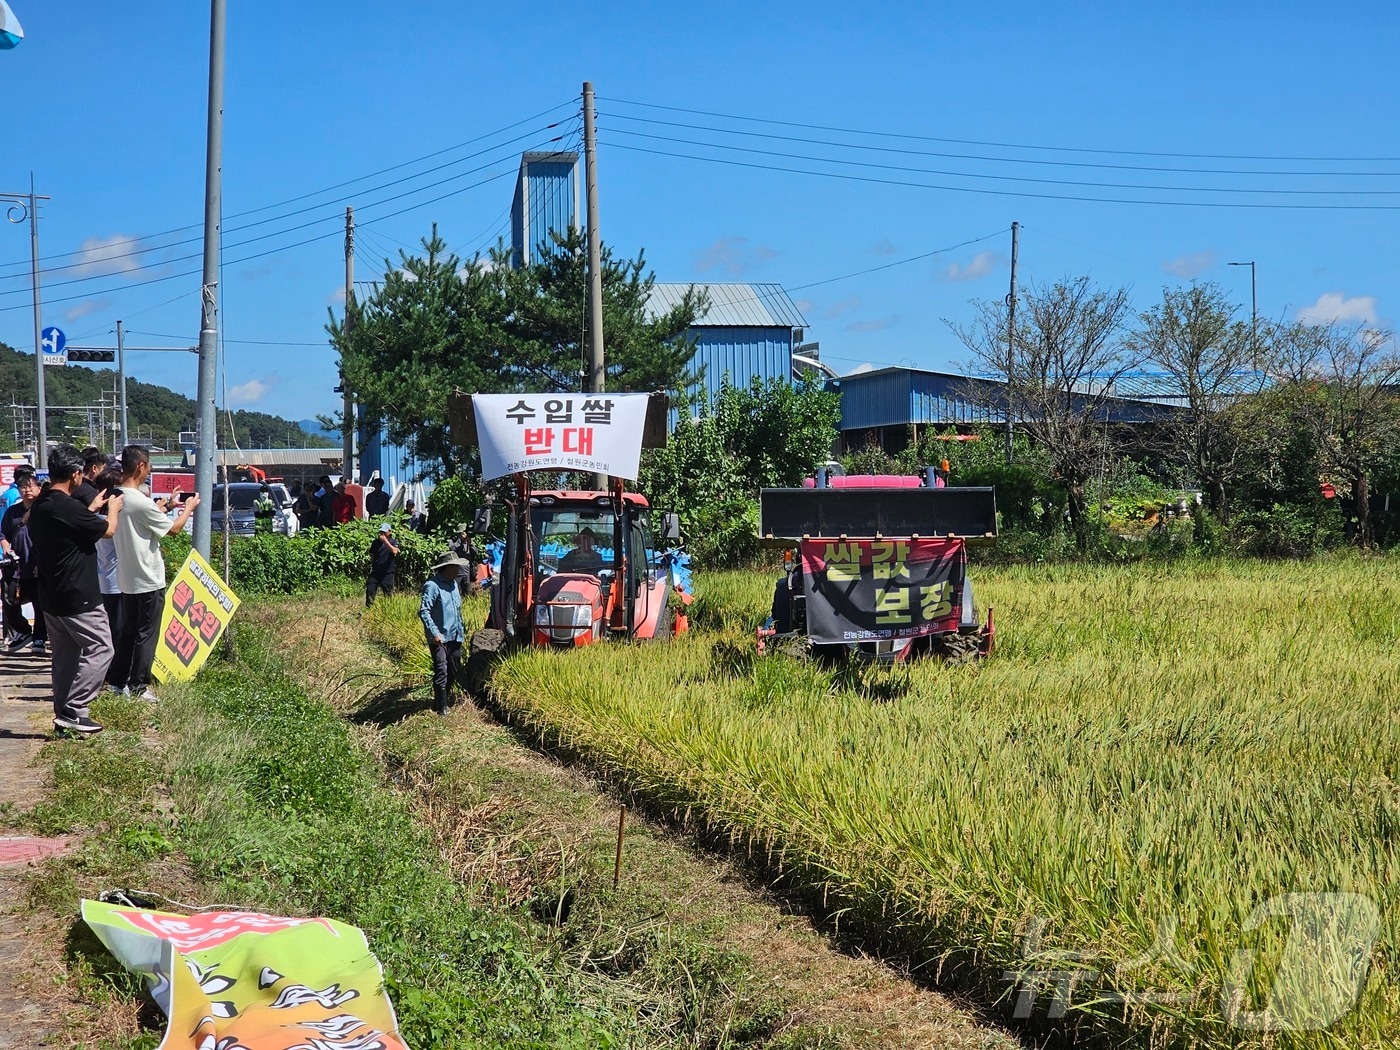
(65, 535)
(141, 574)
(382, 553)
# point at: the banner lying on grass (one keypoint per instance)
(198, 606)
(872, 590)
(237, 980)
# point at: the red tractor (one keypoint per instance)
(877, 565)
(580, 566)
(577, 566)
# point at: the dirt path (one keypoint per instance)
(25, 720)
(698, 894)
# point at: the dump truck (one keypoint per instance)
(876, 565)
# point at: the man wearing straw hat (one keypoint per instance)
(441, 613)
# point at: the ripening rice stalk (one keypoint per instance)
(1152, 753)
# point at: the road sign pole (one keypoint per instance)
(121, 380)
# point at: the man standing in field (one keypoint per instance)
(441, 612)
(376, 500)
(141, 573)
(65, 535)
(382, 553)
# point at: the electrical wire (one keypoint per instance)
(315, 193)
(276, 233)
(1253, 205)
(1002, 145)
(1002, 178)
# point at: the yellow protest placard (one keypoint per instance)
(198, 606)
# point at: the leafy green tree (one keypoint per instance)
(1194, 336)
(437, 324)
(772, 434)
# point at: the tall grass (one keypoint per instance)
(1152, 753)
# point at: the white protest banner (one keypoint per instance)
(601, 433)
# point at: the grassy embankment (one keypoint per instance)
(1152, 753)
(311, 778)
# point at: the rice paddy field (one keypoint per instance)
(1164, 813)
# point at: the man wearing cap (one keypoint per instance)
(584, 557)
(382, 553)
(264, 510)
(441, 613)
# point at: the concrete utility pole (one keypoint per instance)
(30, 204)
(347, 423)
(206, 428)
(1011, 336)
(596, 374)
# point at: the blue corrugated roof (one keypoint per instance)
(741, 305)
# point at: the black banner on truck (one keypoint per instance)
(874, 590)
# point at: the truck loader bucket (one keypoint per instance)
(787, 515)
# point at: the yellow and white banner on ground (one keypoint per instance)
(198, 606)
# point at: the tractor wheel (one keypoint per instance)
(485, 650)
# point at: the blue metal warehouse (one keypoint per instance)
(880, 406)
(747, 332)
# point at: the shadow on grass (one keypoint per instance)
(82, 951)
(385, 707)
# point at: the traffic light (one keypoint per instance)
(92, 355)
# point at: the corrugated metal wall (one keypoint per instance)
(879, 399)
(742, 354)
(942, 399)
(548, 191)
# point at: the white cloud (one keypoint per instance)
(337, 297)
(99, 256)
(1191, 265)
(1335, 306)
(877, 324)
(841, 306)
(733, 256)
(859, 369)
(805, 306)
(884, 248)
(980, 265)
(249, 393)
(87, 306)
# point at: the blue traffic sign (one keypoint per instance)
(53, 341)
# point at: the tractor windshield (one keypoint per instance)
(571, 539)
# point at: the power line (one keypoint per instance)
(315, 193)
(1002, 145)
(1000, 178)
(107, 260)
(1009, 193)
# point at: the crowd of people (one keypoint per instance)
(83, 551)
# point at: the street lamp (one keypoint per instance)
(1254, 308)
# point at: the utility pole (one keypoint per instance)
(121, 379)
(1011, 336)
(596, 382)
(206, 425)
(1253, 309)
(347, 423)
(41, 450)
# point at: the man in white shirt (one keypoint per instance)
(141, 573)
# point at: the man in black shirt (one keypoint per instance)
(376, 499)
(382, 553)
(65, 535)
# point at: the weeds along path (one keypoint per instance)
(686, 941)
(1159, 762)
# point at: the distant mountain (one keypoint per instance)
(314, 428)
(154, 413)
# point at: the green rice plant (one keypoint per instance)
(1152, 760)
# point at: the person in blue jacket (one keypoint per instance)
(441, 612)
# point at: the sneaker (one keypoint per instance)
(119, 690)
(19, 641)
(84, 726)
(147, 696)
(37, 647)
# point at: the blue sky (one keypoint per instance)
(105, 103)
